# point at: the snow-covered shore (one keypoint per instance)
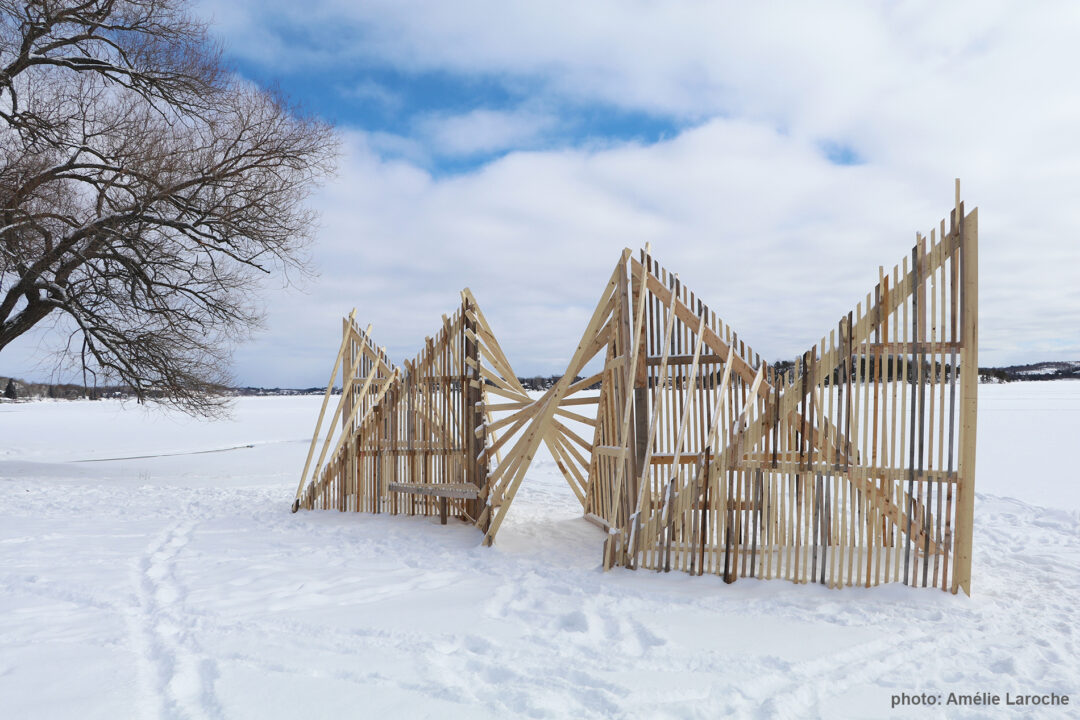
(175, 583)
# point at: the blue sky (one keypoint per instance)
(420, 105)
(773, 154)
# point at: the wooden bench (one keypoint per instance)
(458, 491)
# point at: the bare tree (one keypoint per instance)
(143, 192)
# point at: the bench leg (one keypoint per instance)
(442, 511)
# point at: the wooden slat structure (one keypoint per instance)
(412, 440)
(855, 468)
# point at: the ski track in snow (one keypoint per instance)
(187, 590)
(181, 679)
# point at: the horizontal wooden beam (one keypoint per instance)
(598, 521)
(686, 359)
(383, 451)
(463, 491)
(857, 471)
(906, 348)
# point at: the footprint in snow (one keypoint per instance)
(574, 622)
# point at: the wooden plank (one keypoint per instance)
(954, 333)
(876, 348)
(940, 381)
(566, 402)
(584, 383)
(462, 491)
(915, 417)
(685, 359)
(322, 411)
(669, 326)
(880, 334)
(496, 390)
(598, 521)
(576, 417)
(501, 407)
(969, 388)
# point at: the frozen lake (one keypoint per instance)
(150, 567)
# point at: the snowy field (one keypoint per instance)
(149, 567)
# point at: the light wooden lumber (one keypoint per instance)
(855, 468)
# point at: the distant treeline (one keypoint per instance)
(16, 389)
(893, 367)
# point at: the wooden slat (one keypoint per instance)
(322, 409)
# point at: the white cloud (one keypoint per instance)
(819, 65)
(369, 91)
(483, 131)
(777, 240)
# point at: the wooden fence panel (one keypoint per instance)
(853, 466)
(413, 440)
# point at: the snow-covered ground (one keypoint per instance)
(177, 584)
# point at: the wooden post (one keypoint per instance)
(350, 355)
(322, 412)
(969, 389)
(623, 343)
(641, 386)
(472, 412)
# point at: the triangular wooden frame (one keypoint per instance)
(774, 474)
(412, 440)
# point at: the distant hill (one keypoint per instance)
(1064, 370)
